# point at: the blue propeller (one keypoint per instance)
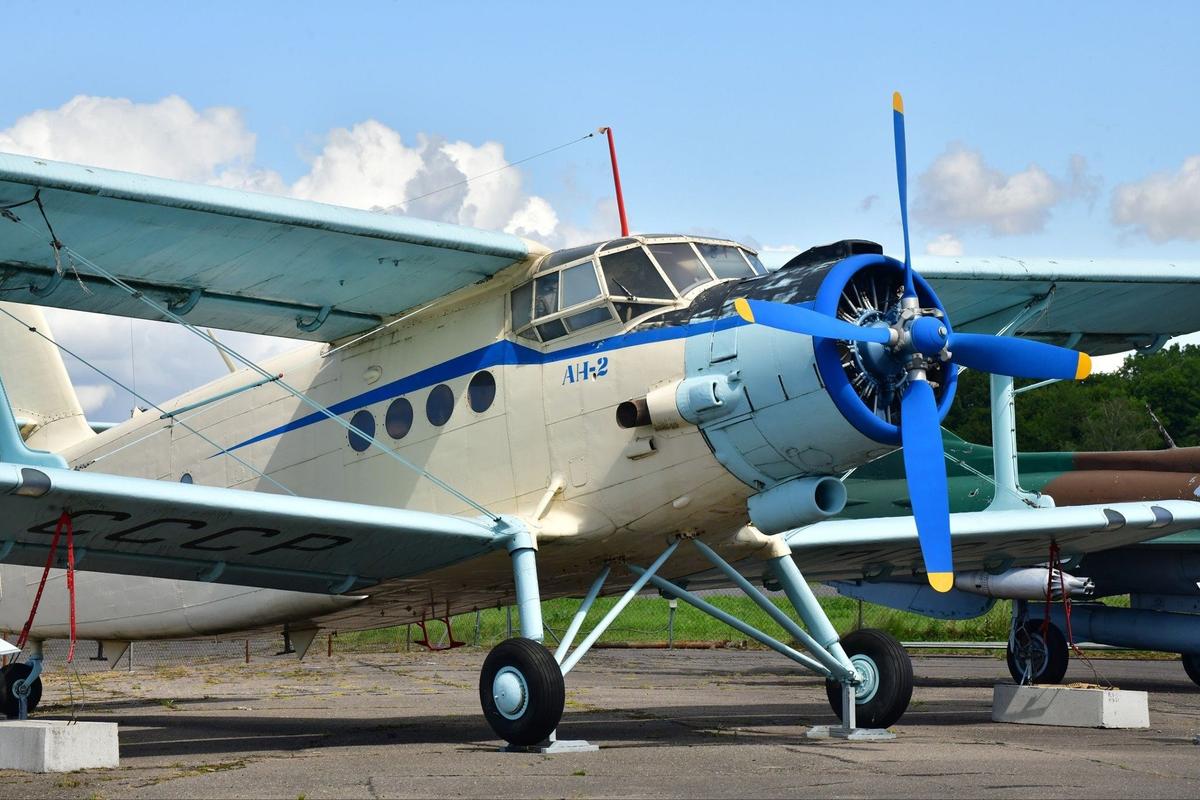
(920, 338)
(902, 185)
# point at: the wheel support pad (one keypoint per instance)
(56, 745)
(553, 745)
(850, 734)
(1069, 707)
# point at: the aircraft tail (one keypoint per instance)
(40, 392)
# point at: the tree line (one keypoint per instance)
(1108, 411)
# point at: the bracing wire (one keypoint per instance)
(509, 165)
(165, 312)
(144, 399)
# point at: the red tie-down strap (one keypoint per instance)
(1056, 568)
(64, 523)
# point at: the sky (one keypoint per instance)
(1034, 129)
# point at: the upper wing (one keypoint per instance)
(1113, 305)
(883, 546)
(158, 529)
(229, 259)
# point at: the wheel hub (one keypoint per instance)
(868, 678)
(1033, 654)
(510, 690)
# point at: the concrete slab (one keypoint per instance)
(57, 745)
(671, 724)
(1070, 707)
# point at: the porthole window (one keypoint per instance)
(481, 392)
(364, 430)
(399, 418)
(440, 405)
(186, 478)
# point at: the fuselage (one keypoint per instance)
(515, 410)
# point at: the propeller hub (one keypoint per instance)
(928, 335)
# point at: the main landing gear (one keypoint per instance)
(1037, 657)
(521, 687)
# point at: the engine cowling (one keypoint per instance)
(776, 407)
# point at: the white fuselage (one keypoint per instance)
(547, 449)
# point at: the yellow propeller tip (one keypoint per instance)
(941, 581)
(743, 309)
(897, 102)
(1084, 367)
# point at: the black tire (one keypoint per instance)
(1050, 656)
(12, 704)
(541, 700)
(1191, 665)
(894, 679)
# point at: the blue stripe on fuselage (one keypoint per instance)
(502, 353)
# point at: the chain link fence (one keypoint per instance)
(649, 621)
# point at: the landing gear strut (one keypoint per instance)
(521, 686)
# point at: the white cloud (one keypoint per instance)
(960, 191)
(168, 138)
(366, 165)
(1163, 206)
(93, 396)
(946, 244)
(535, 219)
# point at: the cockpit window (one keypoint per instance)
(631, 273)
(754, 262)
(545, 295)
(579, 284)
(633, 276)
(682, 265)
(521, 301)
(726, 262)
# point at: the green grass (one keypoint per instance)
(645, 620)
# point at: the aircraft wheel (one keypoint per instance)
(887, 679)
(12, 704)
(1191, 665)
(522, 691)
(1046, 659)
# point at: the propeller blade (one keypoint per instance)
(1020, 358)
(799, 319)
(902, 184)
(925, 470)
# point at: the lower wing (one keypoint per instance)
(880, 547)
(157, 529)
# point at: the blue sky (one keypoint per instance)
(769, 123)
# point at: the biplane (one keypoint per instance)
(475, 421)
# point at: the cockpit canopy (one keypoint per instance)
(621, 280)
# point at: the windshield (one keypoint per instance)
(574, 289)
